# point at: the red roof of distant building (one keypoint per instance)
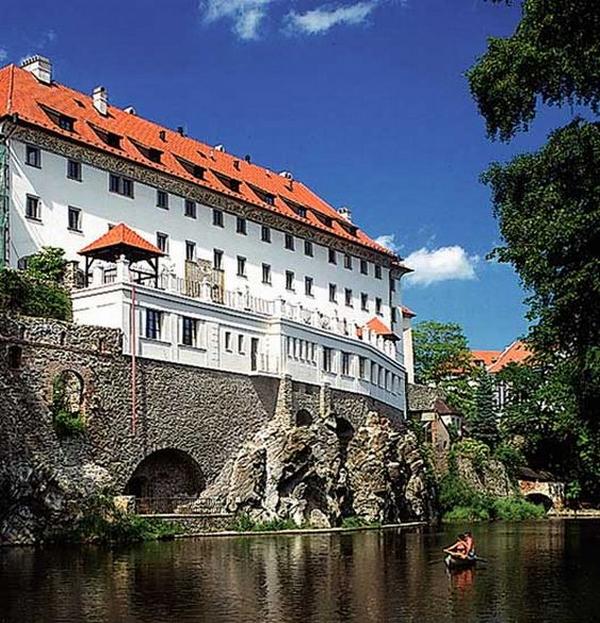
(486, 357)
(517, 352)
(35, 103)
(409, 313)
(377, 326)
(122, 239)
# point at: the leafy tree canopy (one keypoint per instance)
(440, 349)
(553, 56)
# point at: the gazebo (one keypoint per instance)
(119, 241)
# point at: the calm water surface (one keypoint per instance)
(547, 571)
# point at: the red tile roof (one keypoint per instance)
(35, 103)
(517, 352)
(487, 357)
(409, 313)
(377, 326)
(121, 238)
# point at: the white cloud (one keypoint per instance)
(246, 15)
(318, 21)
(443, 264)
(389, 242)
(3, 54)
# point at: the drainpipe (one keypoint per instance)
(132, 344)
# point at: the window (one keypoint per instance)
(217, 259)
(217, 217)
(332, 256)
(241, 266)
(162, 242)
(327, 359)
(66, 123)
(228, 346)
(113, 140)
(392, 284)
(348, 261)
(332, 293)
(190, 251)
(198, 172)
(265, 233)
(74, 219)
(74, 170)
(266, 273)
(348, 297)
(289, 280)
(308, 286)
(364, 267)
(120, 185)
(33, 156)
(373, 373)
(33, 208)
(346, 364)
(394, 315)
(377, 271)
(162, 199)
(361, 367)
(364, 301)
(153, 324)
(308, 248)
(190, 208)
(189, 331)
(230, 183)
(378, 306)
(154, 154)
(289, 242)
(241, 344)
(240, 226)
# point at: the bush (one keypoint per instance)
(476, 451)
(245, 523)
(66, 423)
(101, 522)
(512, 458)
(517, 509)
(466, 514)
(358, 522)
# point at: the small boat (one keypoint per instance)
(456, 562)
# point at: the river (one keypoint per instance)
(536, 571)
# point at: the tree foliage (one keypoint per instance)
(547, 204)
(553, 56)
(440, 349)
(37, 291)
(483, 424)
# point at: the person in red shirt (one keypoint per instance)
(459, 549)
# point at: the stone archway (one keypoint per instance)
(303, 418)
(541, 499)
(164, 480)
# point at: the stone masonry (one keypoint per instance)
(203, 417)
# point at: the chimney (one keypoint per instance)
(130, 110)
(180, 130)
(220, 148)
(287, 174)
(40, 67)
(345, 213)
(100, 100)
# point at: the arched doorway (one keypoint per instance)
(303, 418)
(164, 480)
(540, 499)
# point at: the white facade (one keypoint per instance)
(283, 331)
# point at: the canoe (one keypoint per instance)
(454, 562)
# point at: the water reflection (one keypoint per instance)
(536, 572)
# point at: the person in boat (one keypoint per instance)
(459, 549)
(470, 543)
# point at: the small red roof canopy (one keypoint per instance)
(408, 313)
(121, 240)
(378, 327)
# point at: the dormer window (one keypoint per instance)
(351, 229)
(193, 169)
(229, 182)
(113, 140)
(264, 196)
(198, 172)
(66, 123)
(326, 220)
(154, 155)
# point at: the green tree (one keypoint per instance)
(548, 207)
(483, 424)
(47, 265)
(440, 350)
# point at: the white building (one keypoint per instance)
(258, 275)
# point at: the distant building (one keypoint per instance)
(199, 256)
(493, 361)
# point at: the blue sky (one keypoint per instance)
(365, 101)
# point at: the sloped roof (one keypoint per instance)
(377, 326)
(487, 357)
(517, 352)
(121, 239)
(409, 313)
(22, 94)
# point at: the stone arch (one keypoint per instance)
(304, 418)
(343, 429)
(68, 390)
(541, 499)
(164, 479)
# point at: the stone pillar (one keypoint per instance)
(325, 401)
(97, 275)
(284, 409)
(122, 270)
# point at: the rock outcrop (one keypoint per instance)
(318, 473)
(489, 477)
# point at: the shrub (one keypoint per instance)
(358, 522)
(476, 451)
(517, 509)
(512, 458)
(466, 514)
(102, 522)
